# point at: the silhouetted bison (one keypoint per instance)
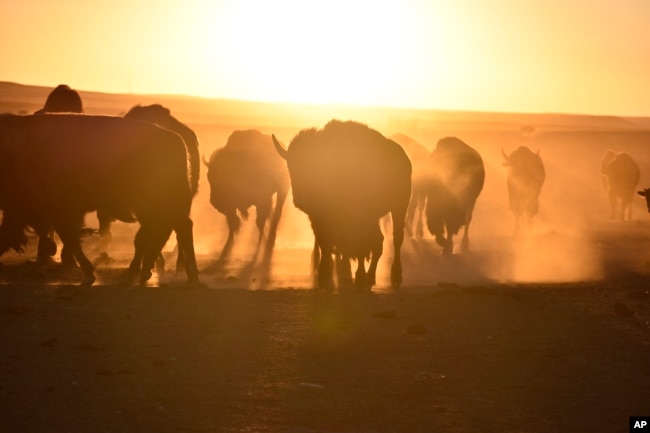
(345, 177)
(457, 178)
(247, 172)
(62, 99)
(418, 154)
(620, 175)
(162, 117)
(645, 193)
(56, 167)
(526, 176)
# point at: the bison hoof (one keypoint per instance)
(193, 279)
(88, 280)
(130, 278)
(144, 277)
(325, 284)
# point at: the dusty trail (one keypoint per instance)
(453, 357)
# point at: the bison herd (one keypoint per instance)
(59, 164)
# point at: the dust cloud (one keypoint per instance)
(571, 238)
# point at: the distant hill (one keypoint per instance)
(20, 98)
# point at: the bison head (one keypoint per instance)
(303, 171)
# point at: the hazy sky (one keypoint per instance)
(576, 56)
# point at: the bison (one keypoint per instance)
(457, 178)
(345, 177)
(620, 175)
(62, 99)
(247, 172)
(525, 178)
(55, 168)
(418, 154)
(162, 117)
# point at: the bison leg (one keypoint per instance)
(233, 227)
(67, 257)
(105, 235)
(263, 213)
(281, 197)
(343, 271)
(437, 229)
(315, 261)
(159, 263)
(414, 216)
(361, 280)
(411, 216)
(145, 255)
(464, 245)
(419, 216)
(626, 209)
(71, 241)
(323, 240)
(46, 249)
(376, 250)
(398, 239)
(155, 243)
(180, 257)
(186, 244)
(325, 280)
(140, 244)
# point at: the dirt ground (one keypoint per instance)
(447, 356)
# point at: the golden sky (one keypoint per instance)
(577, 56)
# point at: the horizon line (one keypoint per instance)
(342, 104)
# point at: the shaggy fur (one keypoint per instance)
(55, 168)
(247, 172)
(457, 180)
(419, 155)
(62, 99)
(345, 177)
(621, 176)
(525, 178)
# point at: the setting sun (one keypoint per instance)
(529, 56)
(312, 52)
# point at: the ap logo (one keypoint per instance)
(640, 424)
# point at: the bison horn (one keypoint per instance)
(205, 161)
(506, 157)
(281, 150)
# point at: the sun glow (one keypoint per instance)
(525, 56)
(319, 52)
